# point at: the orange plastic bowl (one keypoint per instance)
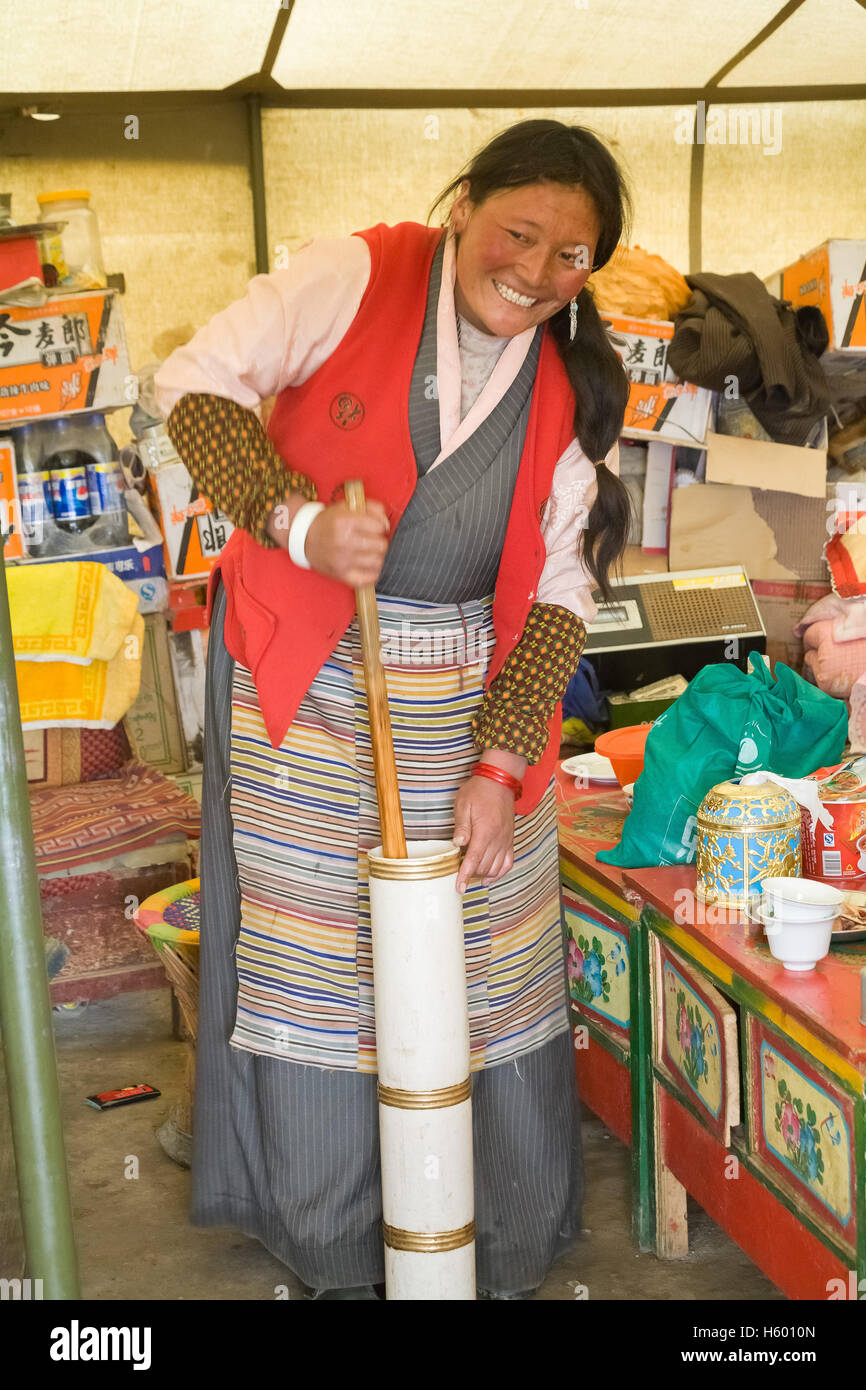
(625, 749)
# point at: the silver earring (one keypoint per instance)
(572, 320)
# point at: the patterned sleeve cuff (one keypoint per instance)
(232, 461)
(517, 709)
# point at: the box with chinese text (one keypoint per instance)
(660, 406)
(194, 533)
(66, 354)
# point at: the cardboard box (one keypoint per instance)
(67, 354)
(773, 535)
(782, 605)
(660, 406)
(189, 782)
(127, 561)
(188, 665)
(153, 723)
(194, 533)
(658, 485)
(187, 604)
(759, 463)
(637, 561)
(833, 277)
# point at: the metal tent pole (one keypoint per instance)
(25, 1011)
(257, 183)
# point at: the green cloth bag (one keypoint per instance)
(727, 723)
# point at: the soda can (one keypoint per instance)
(98, 489)
(34, 495)
(69, 495)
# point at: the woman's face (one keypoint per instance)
(522, 254)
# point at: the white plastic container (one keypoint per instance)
(76, 250)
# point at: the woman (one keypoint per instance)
(466, 378)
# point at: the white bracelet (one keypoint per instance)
(301, 523)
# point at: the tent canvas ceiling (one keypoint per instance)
(383, 102)
(301, 46)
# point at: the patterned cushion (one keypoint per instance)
(92, 821)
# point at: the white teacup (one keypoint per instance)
(800, 900)
(798, 945)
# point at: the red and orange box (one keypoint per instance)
(833, 277)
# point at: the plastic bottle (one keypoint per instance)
(66, 460)
(106, 485)
(155, 447)
(76, 250)
(34, 492)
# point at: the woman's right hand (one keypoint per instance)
(349, 546)
(344, 545)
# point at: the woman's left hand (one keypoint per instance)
(484, 823)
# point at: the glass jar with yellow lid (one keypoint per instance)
(75, 250)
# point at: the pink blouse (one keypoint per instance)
(289, 323)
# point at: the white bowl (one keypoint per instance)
(801, 899)
(798, 945)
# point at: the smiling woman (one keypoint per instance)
(479, 492)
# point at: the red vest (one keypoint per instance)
(350, 419)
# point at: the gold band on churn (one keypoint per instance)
(428, 1243)
(411, 870)
(425, 1100)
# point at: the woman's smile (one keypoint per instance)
(513, 297)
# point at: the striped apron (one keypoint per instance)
(304, 815)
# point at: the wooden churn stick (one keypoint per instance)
(387, 787)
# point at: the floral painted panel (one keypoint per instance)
(598, 966)
(805, 1129)
(691, 1032)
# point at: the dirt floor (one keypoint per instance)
(135, 1241)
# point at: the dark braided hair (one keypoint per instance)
(543, 150)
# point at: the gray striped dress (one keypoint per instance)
(288, 1153)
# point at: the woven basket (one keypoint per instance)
(170, 919)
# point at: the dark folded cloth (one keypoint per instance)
(733, 327)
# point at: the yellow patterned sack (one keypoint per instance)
(75, 611)
(636, 285)
(95, 695)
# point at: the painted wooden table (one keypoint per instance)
(731, 1078)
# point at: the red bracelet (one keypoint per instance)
(497, 774)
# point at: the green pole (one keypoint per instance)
(257, 183)
(25, 1011)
